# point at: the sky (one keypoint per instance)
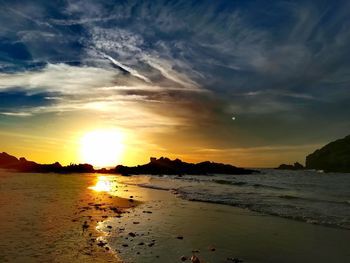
(251, 83)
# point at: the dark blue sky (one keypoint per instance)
(281, 68)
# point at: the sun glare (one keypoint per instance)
(102, 148)
(102, 185)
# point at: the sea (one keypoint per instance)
(309, 196)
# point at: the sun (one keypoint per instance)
(102, 148)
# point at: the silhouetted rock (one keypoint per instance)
(7, 160)
(295, 166)
(155, 166)
(164, 165)
(22, 165)
(334, 157)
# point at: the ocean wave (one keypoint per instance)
(292, 197)
(271, 210)
(318, 205)
(241, 183)
(220, 181)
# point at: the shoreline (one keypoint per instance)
(91, 214)
(219, 232)
(57, 218)
(53, 218)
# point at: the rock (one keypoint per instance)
(195, 259)
(114, 209)
(125, 245)
(183, 258)
(132, 234)
(85, 226)
(101, 243)
(333, 157)
(296, 166)
(212, 248)
(141, 244)
(235, 260)
(164, 165)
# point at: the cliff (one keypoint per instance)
(333, 157)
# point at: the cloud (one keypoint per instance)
(128, 69)
(60, 78)
(108, 93)
(16, 114)
(165, 68)
(278, 67)
(129, 47)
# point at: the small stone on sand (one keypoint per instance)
(183, 258)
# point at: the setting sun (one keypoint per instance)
(102, 148)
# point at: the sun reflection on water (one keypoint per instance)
(103, 184)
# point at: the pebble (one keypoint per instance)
(132, 234)
(101, 243)
(235, 260)
(195, 259)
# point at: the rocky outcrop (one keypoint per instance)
(22, 165)
(177, 167)
(334, 157)
(295, 166)
(155, 166)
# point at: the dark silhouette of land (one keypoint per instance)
(178, 167)
(155, 167)
(22, 165)
(333, 157)
(295, 166)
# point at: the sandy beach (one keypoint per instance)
(53, 218)
(95, 218)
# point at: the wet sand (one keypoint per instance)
(165, 228)
(53, 217)
(57, 218)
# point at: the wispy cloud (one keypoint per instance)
(133, 72)
(17, 114)
(279, 68)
